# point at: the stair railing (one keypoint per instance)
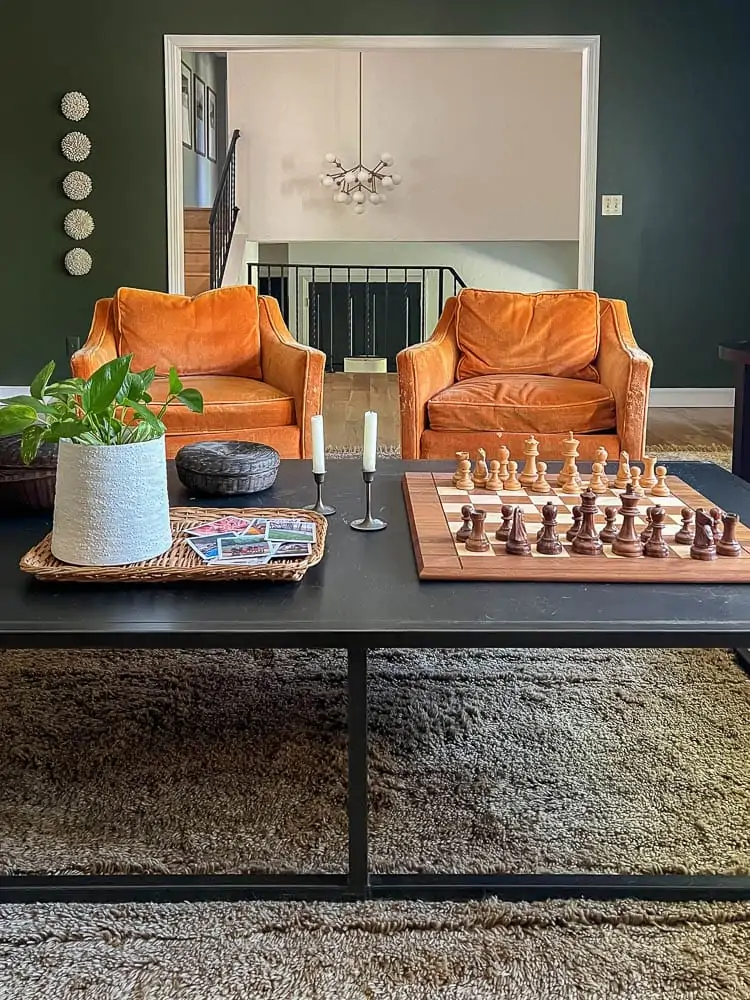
(224, 214)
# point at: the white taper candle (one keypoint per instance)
(371, 441)
(318, 445)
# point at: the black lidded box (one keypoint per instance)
(227, 468)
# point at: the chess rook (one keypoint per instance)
(461, 456)
(648, 479)
(728, 545)
(477, 540)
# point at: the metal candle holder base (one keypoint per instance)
(319, 507)
(368, 522)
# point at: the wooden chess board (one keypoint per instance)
(434, 508)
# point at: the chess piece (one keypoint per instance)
(623, 471)
(598, 483)
(586, 541)
(503, 456)
(461, 456)
(540, 485)
(494, 482)
(601, 456)
(568, 479)
(504, 530)
(512, 483)
(661, 489)
(703, 546)
(481, 475)
(573, 530)
(463, 479)
(646, 533)
(518, 542)
(530, 451)
(609, 531)
(628, 542)
(635, 481)
(648, 479)
(465, 530)
(548, 544)
(686, 534)
(656, 547)
(477, 540)
(728, 545)
(716, 516)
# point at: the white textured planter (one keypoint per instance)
(111, 505)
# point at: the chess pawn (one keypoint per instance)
(628, 542)
(463, 479)
(481, 475)
(686, 534)
(661, 489)
(635, 481)
(504, 530)
(648, 479)
(703, 547)
(623, 471)
(601, 456)
(586, 542)
(503, 456)
(598, 482)
(548, 544)
(716, 516)
(518, 541)
(477, 540)
(609, 531)
(530, 471)
(461, 456)
(540, 485)
(728, 545)
(512, 483)
(647, 531)
(494, 482)
(656, 547)
(575, 527)
(465, 530)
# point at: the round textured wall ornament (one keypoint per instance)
(74, 105)
(78, 262)
(75, 146)
(78, 224)
(77, 185)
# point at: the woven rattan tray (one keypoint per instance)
(180, 562)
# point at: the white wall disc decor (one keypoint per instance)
(78, 262)
(74, 105)
(78, 224)
(75, 146)
(77, 185)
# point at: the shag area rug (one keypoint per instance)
(481, 760)
(376, 951)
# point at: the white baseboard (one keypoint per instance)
(691, 397)
(13, 390)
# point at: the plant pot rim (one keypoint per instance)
(129, 444)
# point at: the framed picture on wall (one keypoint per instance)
(199, 118)
(186, 95)
(211, 148)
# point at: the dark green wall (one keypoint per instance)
(674, 139)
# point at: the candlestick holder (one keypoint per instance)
(319, 507)
(368, 522)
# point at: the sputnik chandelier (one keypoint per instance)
(359, 185)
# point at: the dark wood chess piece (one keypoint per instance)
(504, 530)
(573, 530)
(728, 545)
(628, 542)
(548, 544)
(609, 531)
(686, 534)
(477, 540)
(518, 542)
(704, 546)
(646, 533)
(465, 530)
(586, 542)
(716, 516)
(656, 547)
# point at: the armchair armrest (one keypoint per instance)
(292, 367)
(626, 371)
(423, 371)
(100, 346)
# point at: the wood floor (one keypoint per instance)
(348, 396)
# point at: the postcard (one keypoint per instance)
(222, 526)
(282, 529)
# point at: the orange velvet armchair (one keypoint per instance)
(516, 364)
(258, 383)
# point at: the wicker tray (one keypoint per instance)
(180, 562)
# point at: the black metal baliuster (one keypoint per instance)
(224, 214)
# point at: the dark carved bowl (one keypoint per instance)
(29, 487)
(227, 468)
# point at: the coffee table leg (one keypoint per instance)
(357, 797)
(741, 446)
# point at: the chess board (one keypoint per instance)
(434, 509)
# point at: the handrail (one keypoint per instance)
(224, 212)
(223, 175)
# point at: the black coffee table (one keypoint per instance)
(739, 354)
(365, 594)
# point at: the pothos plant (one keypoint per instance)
(109, 408)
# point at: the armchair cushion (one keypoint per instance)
(525, 403)
(512, 333)
(229, 403)
(215, 333)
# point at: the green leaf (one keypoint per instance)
(148, 376)
(192, 399)
(68, 387)
(30, 440)
(39, 384)
(16, 418)
(131, 388)
(145, 415)
(175, 385)
(35, 404)
(100, 391)
(65, 429)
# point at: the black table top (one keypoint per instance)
(366, 592)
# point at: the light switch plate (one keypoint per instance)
(611, 204)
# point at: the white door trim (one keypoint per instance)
(587, 45)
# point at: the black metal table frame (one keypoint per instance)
(359, 882)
